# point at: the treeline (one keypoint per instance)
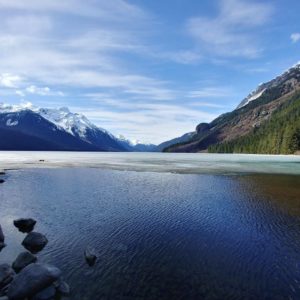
(278, 135)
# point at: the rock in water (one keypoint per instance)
(2, 180)
(2, 238)
(6, 275)
(35, 242)
(47, 294)
(2, 245)
(62, 288)
(24, 259)
(32, 280)
(25, 225)
(1, 235)
(90, 256)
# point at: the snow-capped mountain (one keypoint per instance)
(288, 78)
(136, 145)
(54, 129)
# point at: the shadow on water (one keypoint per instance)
(162, 235)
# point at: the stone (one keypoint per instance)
(1, 235)
(62, 288)
(25, 225)
(24, 259)
(47, 294)
(2, 180)
(90, 256)
(31, 280)
(2, 238)
(6, 275)
(2, 245)
(35, 242)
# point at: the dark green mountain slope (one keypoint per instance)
(278, 135)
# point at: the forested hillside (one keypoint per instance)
(278, 135)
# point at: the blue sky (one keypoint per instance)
(149, 70)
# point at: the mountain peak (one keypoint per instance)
(288, 79)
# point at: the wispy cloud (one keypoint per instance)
(150, 117)
(210, 92)
(295, 37)
(230, 33)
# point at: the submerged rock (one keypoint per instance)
(25, 225)
(32, 280)
(2, 173)
(47, 294)
(2, 180)
(35, 242)
(62, 288)
(6, 275)
(23, 260)
(90, 256)
(1, 235)
(2, 238)
(2, 245)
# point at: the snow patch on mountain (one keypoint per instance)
(73, 123)
(9, 122)
(253, 96)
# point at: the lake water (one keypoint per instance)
(159, 234)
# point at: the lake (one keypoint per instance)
(165, 226)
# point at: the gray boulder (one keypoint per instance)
(47, 294)
(35, 242)
(90, 256)
(32, 280)
(6, 275)
(24, 259)
(25, 225)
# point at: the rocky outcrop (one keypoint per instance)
(33, 281)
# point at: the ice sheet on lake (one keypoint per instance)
(155, 162)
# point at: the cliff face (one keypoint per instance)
(253, 114)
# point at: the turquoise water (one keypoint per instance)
(161, 235)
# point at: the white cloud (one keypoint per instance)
(229, 34)
(42, 91)
(210, 92)
(144, 119)
(295, 37)
(9, 80)
(118, 10)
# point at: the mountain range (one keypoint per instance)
(24, 127)
(266, 121)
